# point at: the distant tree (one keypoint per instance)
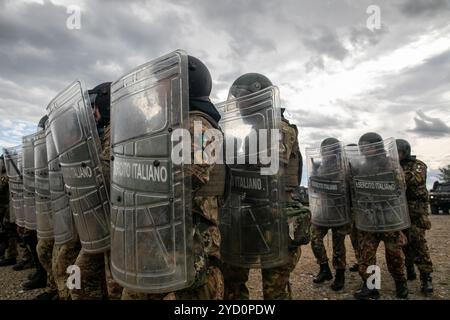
(445, 174)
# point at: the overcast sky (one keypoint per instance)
(336, 77)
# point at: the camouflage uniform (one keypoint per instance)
(9, 233)
(208, 284)
(44, 250)
(338, 239)
(393, 242)
(64, 256)
(416, 251)
(354, 237)
(275, 280)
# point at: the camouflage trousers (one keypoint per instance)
(338, 238)
(64, 256)
(395, 259)
(212, 289)
(355, 241)
(275, 280)
(416, 250)
(11, 241)
(96, 279)
(44, 250)
(27, 254)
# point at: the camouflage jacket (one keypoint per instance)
(4, 190)
(205, 208)
(105, 155)
(415, 172)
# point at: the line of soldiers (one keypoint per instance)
(374, 191)
(142, 203)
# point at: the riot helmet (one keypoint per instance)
(41, 124)
(248, 83)
(404, 149)
(370, 143)
(100, 98)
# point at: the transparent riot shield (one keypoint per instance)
(63, 225)
(29, 206)
(253, 227)
(328, 192)
(151, 246)
(44, 221)
(76, 140)
(378, 187)
(13, 163)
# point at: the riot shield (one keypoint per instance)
(13, 163)
(44, 222)
(253, 226)
(151, 247)
(63, 225)
(329, 198)
(378, 187)
(29, 206)
(76, 140)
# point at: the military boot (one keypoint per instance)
(324, 273)
(7, 262)
(23, 265)
(411, 272)
(426, 286)
(339, 280)
(39, 281)
(364, 293)
(48, 295)
(401, 289)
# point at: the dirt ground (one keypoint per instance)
(301, 279)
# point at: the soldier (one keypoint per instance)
(101, 104)
(178, 264)
(416, 251)
(276, 266)
(44, 220)
(380, 209)
(8, 233)
(78, 147)
(330, 206)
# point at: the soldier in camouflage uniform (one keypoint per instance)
(369, 241)
(354, 235)
(275, 280)
(62, 257)
(207, 179)
(8, 232)
(96, 279)
(416, 251)
(338, 240)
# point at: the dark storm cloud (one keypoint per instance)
(416, 8)
(430, 127)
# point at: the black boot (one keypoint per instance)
(426, 286)
(364, 293)
(339, 280)
(324, 273)
(411, 272)
(7, 262)
(48, 295)
(354, 268)
(23, 265)
(401, 289)
(33, 275)
(39, 281)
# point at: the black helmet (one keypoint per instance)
(200, 82)
(41, 124)
(404, 149)
(352, 145)
(101, 97)
(369, 138)
(328, 142)
(248, 83)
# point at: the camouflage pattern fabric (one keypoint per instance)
(395, 259)
(64, 256)
(354, 238)
(338, 239)
(93, 279)
(44, 250)
(416, 251)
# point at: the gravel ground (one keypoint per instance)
(301, 279)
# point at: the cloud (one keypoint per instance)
(326, 42)
(415, 8)
(428, 126)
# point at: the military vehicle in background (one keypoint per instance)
(440, 197)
